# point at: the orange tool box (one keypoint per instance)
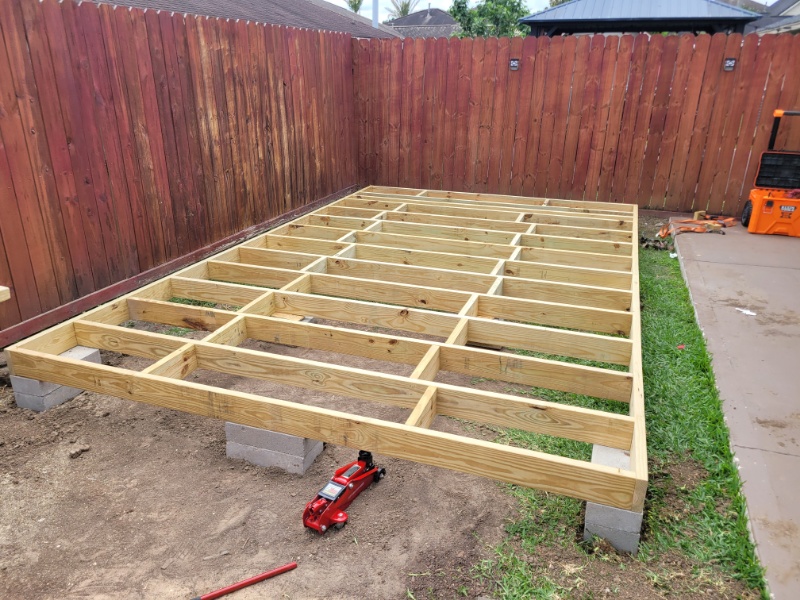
(774, 203)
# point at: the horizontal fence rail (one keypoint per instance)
(131, 138)
(651, 120)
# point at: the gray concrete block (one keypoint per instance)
(270, 440)
(39, 395)
(83, 353)
(624, 541)
(38, 403)
(620, 528)
(32, 387)
(269, 458)
(611, 457)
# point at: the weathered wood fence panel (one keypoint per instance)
(650, 120)
(130, 138)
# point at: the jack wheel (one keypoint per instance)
(380, 474)
(339, 526)
(747, 212)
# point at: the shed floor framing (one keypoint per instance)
(473, 272)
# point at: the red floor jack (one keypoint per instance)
(326, 510)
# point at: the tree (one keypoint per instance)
(490, 18)
(557, 2)
(355, 5)
(402, 8)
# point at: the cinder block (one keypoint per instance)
(624, 541)
(39, 395)
(269, 458)
(270, 440)
(611, 457)
(620, 528)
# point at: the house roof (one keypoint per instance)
(425, 18)
(774, 20)
(637, 10)
(780, 7)
(310, 14)
(429, 31)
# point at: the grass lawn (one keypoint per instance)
(695, 541)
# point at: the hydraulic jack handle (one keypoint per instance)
(778, 113)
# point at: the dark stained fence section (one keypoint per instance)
(654, 121)
(129, 139)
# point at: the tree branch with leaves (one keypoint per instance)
(490, 18)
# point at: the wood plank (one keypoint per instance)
(114, 338)
(249, 274)
(575, 259)
(577, 244)
(592, 482)
(549, 341)
(573, 120)
(568, 274)
(547, 126)
(44, 72)
(523, 370)
(419, 276)
(179, 315)
(421, 243)
(601, 123)
(588, 115)
(366, 313)
(476, 89)
(554, 314)
(674, 114)
(5, 293)
(421, 258)
(567, 293)
(665, 87)
(373, 345)
(396, 293)
(527, 67)
(499, 112)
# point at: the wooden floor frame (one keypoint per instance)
(557, 278)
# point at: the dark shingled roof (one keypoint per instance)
(310, 14)
(615, 10)
(428, 17)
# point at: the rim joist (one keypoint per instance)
(533, 293)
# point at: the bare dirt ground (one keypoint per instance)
(105, 498)
(152, 508)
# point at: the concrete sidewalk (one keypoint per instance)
(757, 366)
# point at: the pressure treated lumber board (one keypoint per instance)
(532, 292)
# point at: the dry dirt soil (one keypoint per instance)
(110, 499)
(106, 498)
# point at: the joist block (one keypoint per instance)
(38, 396)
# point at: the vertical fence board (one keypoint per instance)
(129, 138)
(548, 122)
(556, 162)
(533, 132)
(501, 91)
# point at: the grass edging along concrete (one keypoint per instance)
(696, 538)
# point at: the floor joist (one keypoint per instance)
(525, 294)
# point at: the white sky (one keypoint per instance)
(385, 5)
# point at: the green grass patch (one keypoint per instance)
(686, 435)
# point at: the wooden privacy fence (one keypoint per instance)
(654, 121)
(129, 139)
(132, 141)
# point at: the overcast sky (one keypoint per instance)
(385, 5)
